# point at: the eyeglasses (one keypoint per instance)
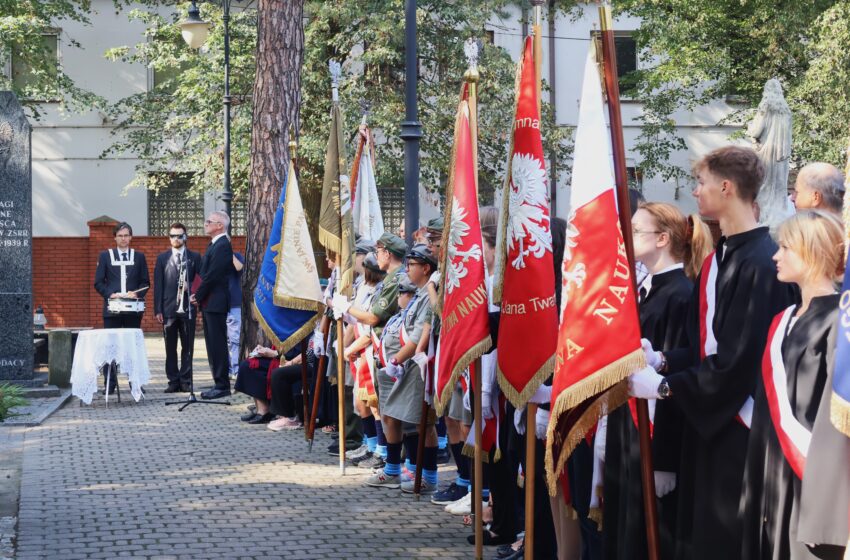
(411, 263)
(175, 236)
(639, 232)
(208, 222)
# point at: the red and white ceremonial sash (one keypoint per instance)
(707, 309)
(794, 438)
(378, 349)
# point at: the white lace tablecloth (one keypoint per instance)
(101, 346)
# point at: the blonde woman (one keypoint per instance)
(796, 487)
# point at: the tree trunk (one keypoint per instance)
(277, 98)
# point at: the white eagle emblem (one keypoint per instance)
(458, 230)
(528, 224)
(573, 275)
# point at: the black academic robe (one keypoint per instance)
(663, 314)
(710, 394)
(775, 523)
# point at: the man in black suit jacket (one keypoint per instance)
(177, 316)
(120, 272)
(214, 297)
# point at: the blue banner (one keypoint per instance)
(285, 326)
(841, 378)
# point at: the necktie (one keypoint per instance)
(124, 257)
(641, 294)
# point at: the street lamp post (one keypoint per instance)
(195, 32)
(411, 128)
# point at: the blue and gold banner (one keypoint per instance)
(287, 299)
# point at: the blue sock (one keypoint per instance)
(462, 482)
(381, 451)
(429, 476)
(371, 444)
(442, 442)
(393, 464)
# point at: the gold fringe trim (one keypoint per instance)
(520, 398)
(475, 351)
(300, 304)
(613, 374)
(284, 346)
(840, 414)
(329, 240)
(469, 451)
(595, 514)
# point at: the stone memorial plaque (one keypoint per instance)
(16, 342)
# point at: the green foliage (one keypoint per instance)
(696, 51)
(23, 26)
(10, 397)
(183, 131)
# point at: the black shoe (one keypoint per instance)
(247, 417)
(504, 550)
(490, 539)
(185, 388)
(333, 449)
(262, 419)
(215, 394)
(171, 389)
(443, 456)
(518, 555)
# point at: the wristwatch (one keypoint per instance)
(664, 390)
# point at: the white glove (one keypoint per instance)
(518, 421)
(341, 305)
(665, 482)
(644, 383)
(653, 358)
(319, 344)
(542, 396)
(486, 405)
(600, 439)
(421, 360)
(435, 278)
(541, 423)
(394, 371)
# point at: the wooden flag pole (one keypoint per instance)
(340, 384)
(310, 429)
(478, 472)
(304, 392)
(531, 408)
(612, 88)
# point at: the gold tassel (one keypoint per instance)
(330, 241)
(284, 346)
(520, 398)
(840, 414)
(300, 304)
(476, 351)
(595, 514)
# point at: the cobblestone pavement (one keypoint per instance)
(143, 480)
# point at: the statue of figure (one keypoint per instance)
(770, 131)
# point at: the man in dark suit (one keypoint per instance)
(173, 275)
(214, 297)
(121, 272)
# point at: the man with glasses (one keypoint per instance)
(173, 274)
(122, 273)
(213, 295)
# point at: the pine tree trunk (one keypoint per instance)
(277, 98)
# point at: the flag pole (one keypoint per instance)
(612, 88)
(478, 472)
(310, 429)
(531, 408)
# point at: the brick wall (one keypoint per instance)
(63, 273)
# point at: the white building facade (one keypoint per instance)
(73, 184)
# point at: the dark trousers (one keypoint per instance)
(503, 487)
(215, 337)
(123, 321)
(285, 382)
(184, 329)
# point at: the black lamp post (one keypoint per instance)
(195, 32)
(411, 128)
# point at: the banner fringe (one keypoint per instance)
(301, 304)
(612, 375)
(284, 346)
(469, 451)
(595, 514)
(840, 414)
(330, 241)
(475, 351)
(520, 398)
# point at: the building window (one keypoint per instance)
(489, 36)
(37, 81)
(625, 47)
(635, 175)
(392, 207)
(173, 203)
(239, 214)
(165, 80)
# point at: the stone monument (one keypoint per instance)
(16, 311)
(770, 132)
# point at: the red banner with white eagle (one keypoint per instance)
(599, 334)
(465, 327)
(525, 280)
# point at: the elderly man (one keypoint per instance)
(819, 185)
(213, 295)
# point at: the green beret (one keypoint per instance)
(364, 246)
(436, 224)
(394, 244)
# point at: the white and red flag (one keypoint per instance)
(599, 334)
(465, 327)
(525, 279)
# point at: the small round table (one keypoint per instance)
(98, 347)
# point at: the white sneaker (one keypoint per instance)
(461, 507)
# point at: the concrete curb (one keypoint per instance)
(41, 412)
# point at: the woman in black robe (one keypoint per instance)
(796, 487)
(672, 248)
